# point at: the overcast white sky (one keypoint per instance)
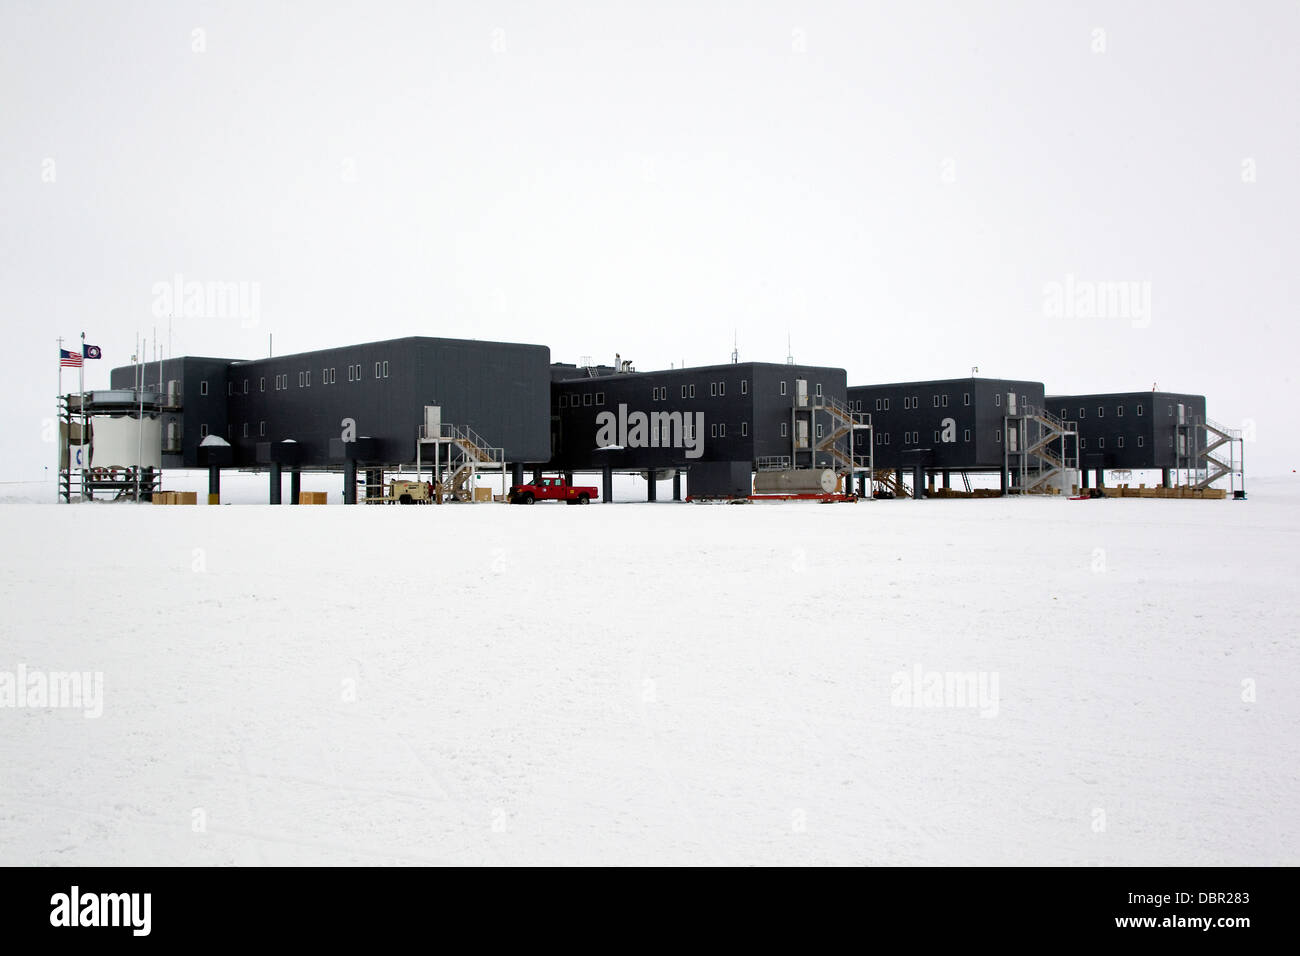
(895, 186)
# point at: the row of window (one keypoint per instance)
(659, 393)
(914, 437)
(1119, 442)
(913, 401)
(328, 376)
(1101, 411)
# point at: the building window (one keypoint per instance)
(261, 384)
(744, 386)
(936, 435)
(379, 369)
(564, 400)
(1101, 443)
(965, 398)
(683, 391)
(819, 389)
(784, 429)
(713, 389)
(1083, 413)
(600, 398)
(1119, 442)
(692, 391)
(943, 400)
(1063, 414)
(886, 409)
(245, 429)
(586, 398)
(783, 388)
(261, 429)
(308, 373)
(385, 370)
(907, 403)
(998, 436)
(1119, 410)
(997, 399)
(744, 429)
(1101, 411)
(300, 377)
(573, 400)
(713, 431)
(877, 404)
(245, 386)
(1083, 443)
(350, 373)
(722, 429)
(722, 388)
(203, 388)
(203, 431)
(966, 435)
(1140, 409)
(1141, 442)
(936, 401)
(230, 388)
(819, 430)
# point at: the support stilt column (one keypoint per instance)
(214, 485)
(607, 483)
(276, 483)
(652, 486)
(677, 484)
(295, 486)
(349, 482)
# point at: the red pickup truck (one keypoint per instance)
(552, 489)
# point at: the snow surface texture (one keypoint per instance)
(661, 683)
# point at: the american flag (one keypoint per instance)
(69, 359)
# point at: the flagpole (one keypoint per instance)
(58, 409)
(81, 385)
(139, 440)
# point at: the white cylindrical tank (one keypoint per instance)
(795, 481)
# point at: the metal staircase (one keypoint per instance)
(839, 440)
(1039, 450)
(1200, 441)
(459, 453)
(887, 482)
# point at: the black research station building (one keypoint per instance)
(925, 431)
(460, 406)
(1152, 430)
(717, 424)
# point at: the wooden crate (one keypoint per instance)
(482, 494)
(185, 497)
(312, 497)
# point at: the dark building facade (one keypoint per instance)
(1135, 430)
(735, 413)
(378, 389)
(195, 402)
(946, 425)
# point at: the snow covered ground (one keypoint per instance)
(660, 683)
